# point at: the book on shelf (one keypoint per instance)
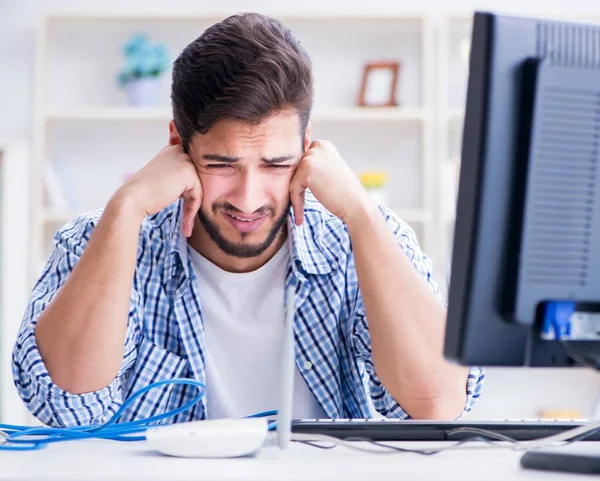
(58, 185)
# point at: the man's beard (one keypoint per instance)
(241, 249)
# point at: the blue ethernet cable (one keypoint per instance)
(264, 414)
(105, 431)
(18, 438)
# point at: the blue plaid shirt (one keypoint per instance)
(165, 332)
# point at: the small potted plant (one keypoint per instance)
(141, 75)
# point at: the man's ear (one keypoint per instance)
(174, 138)
(307, 137)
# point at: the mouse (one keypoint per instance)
(213, 438)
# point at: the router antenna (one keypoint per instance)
(284, 417)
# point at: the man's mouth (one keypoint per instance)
(245, 224)
(245, 219)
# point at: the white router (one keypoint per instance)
(226, 438)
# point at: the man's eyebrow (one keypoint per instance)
(233, 160)
(220, 158)
(278, 160)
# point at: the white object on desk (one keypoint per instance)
(214, 438)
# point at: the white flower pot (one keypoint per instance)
(143, 92)
(379, 195)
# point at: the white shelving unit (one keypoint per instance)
(82, 119)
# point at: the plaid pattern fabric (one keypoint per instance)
(165, 333)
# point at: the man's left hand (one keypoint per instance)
(332, 182)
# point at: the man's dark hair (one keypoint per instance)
(247, 67)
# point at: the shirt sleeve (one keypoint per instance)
(44, 399)
(382, 400)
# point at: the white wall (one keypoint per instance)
(509, 392)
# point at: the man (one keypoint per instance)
(183, 273)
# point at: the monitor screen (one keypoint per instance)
(527, 231)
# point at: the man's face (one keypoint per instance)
(245, 171)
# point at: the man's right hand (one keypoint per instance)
(168, 176)
(81, 333)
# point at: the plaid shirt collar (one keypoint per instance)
(311, 255)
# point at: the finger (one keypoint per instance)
(298, 188)
(314, 143)
(298, 206)
(192, 201)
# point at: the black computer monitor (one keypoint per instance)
(527, 228)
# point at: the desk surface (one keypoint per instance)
(105, 460)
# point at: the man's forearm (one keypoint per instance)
(406, 323)
(81, 333)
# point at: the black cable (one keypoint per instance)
(430, 452)
(580, 357)
(315, 445)
(581, 437)
(483, 432)
(423, 452)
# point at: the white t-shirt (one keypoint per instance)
(244, 318)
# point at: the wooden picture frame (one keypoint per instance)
(392, 70)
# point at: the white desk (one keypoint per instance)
(105, 460)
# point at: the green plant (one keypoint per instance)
(142, 59)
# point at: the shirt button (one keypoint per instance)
(307, 365)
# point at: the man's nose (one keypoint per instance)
(249, 194)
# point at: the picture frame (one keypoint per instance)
(379, 84)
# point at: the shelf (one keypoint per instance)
(459, 17)
(351, 114)
(61, 216)
(146, 114)
(455, 115)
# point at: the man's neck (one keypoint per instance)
(201, 242)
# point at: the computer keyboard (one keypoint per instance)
(416, 430)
